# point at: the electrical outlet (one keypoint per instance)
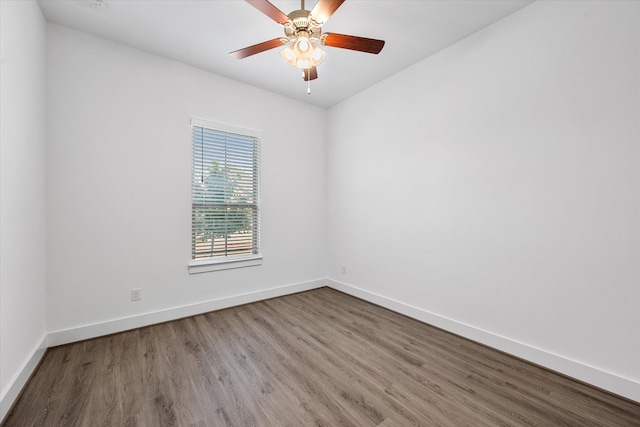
(344, 270)
(135, 294)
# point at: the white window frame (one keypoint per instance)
(238, 261)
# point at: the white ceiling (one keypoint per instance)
(201, 33)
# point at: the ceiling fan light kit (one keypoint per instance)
(302, 53)
(303, 31)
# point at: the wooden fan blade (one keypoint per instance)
(257, 48)
(270, 10)
(361, 44)
(310, 74)
(323, 10)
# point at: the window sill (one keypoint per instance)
(207, 265)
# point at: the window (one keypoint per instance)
(225, 197)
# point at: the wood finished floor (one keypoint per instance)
(314, 358)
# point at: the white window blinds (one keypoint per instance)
(225, 190)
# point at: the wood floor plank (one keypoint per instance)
(318, 358)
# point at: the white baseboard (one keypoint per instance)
(16, 384)
(124, 324)
(571, 368)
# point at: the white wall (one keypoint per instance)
(118, 183)
(494, 188)
(22, 194)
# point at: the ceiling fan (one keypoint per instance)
(303, 31)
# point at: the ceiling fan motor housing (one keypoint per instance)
(301, 22)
